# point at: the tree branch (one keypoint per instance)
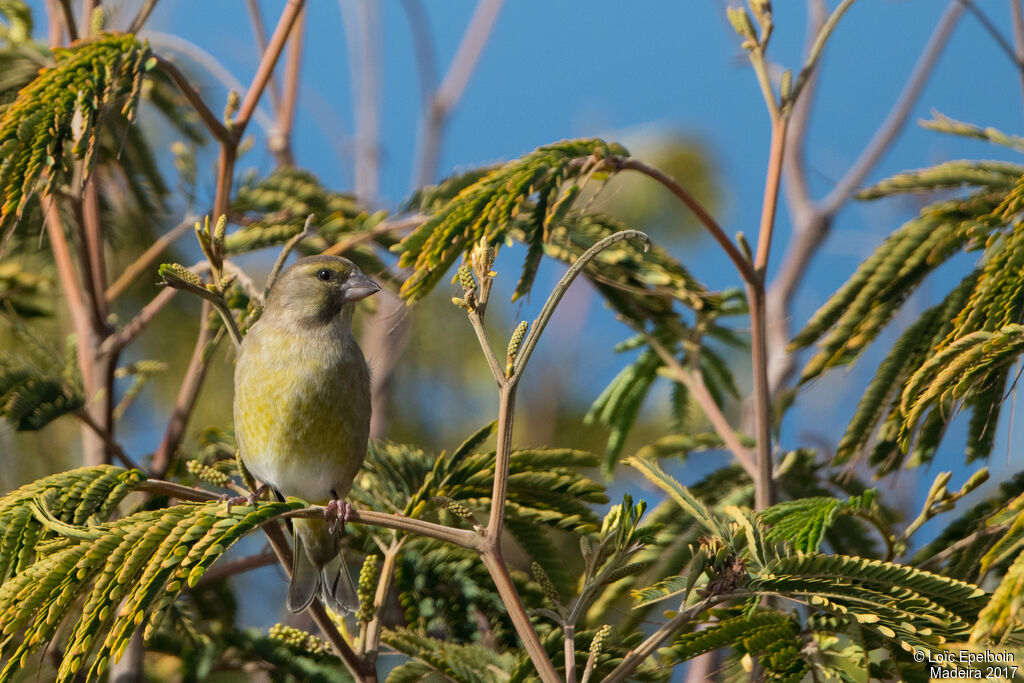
(695, 385)
(743, 265)
(898, 116)
(260, 33)
(141, 265)
(645, 649)
(191, 383)
(281, 146)
(212, 122)
(69, 19)
(266, 66)
(143, 15)
(448, 94)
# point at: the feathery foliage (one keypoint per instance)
(803, 523)
(60, 111)
(59, 548)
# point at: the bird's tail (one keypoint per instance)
(331, 582)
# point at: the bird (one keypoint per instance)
(302, 412)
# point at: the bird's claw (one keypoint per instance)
(337, 512)
(250, 499)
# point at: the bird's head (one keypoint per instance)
(316, 289)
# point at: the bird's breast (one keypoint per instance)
(302, 412)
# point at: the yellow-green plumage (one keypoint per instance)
(302, 409)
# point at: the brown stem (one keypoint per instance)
(371, 643)
(69, 19)
(282, 146)
(503, 456)
(361, 669)
(770, 202)
(495, 563)
(888, 131)
(112, 445)
(569, 647)
(136, 325)
(142, 16)
(452, 87)
(743, 265)
(212, 122)
(266, 66)
(187, 396)
(764, 483)
(241, 565)
(393, 226)
(93, 231)
(142, 264)
(260, 33)
(695, 385)
(637, 655)
(225, 176)
(460, 537)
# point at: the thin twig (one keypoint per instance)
(460, 537)
(485, 344)
(371, 641)
(187, 395)
(281, 144)
(220, 73)
(448, 94)
(286, 250)
(898, 116)
(213, 124)
(814, 53)
(743, 265)
(69, 19)
(142, 264)
(248, 563)
(266, 66)
(86, 419)
(770, 202)
(360, 668)
(136, 325)
(530, 342)
(143, 15)
(993, 31)
(694, 383)
(397, 225)
(637, 655)
(259, 31)
(569, 650)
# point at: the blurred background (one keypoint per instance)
(670, 82)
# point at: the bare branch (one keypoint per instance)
(260, 33)
(266, 66)
(645, 649)
(136, 325)
(142, 264)
(213, 124)
(191, 383)
(86, 419)
(450, 91)
(361, 24)
(743, 265)
(894, 122)
(140, 19)
(69, 19)
(695, 384)
(243, 564)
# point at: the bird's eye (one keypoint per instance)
(323, 274)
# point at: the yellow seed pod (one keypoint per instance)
(368, 578)
(597, 644)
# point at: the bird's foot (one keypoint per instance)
(249, 499)
(337, 512)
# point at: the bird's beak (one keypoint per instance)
(359, 287)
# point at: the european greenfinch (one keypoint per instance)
(302, 411)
